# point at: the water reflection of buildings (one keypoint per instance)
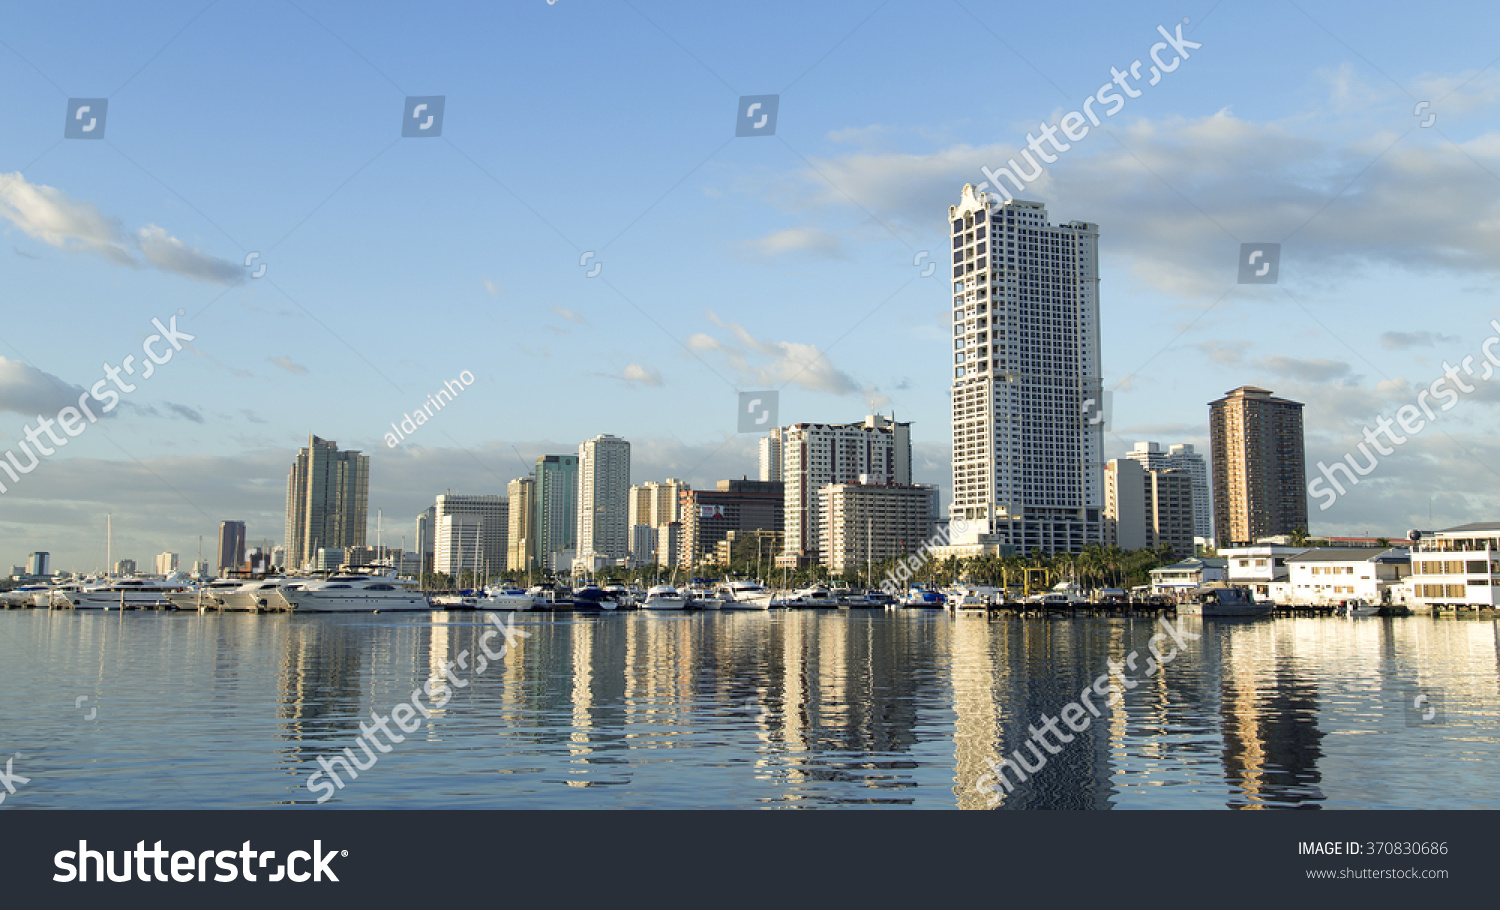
(812, 708)
(1005, 677)
(1268, 710)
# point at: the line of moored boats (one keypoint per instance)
(381, 591)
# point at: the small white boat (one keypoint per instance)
(22, 596)
(620, 594)
(813, 597)
(922, 597)
(1357, 607)
(744, 595)
(507, 599)
(1218, 599)
(356, 594)
(699, 597)
(664, 597)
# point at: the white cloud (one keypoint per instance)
(172, 255)
(801, 240)
(51, 216)
(1176, 196)
(773, 364)
(567, 314)
(635, 373)
(28, 391)
(291, 366)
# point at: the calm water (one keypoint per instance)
(743, 710)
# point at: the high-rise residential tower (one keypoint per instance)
(1147, 508)
(327, 500)
(426, 541)
(231, 545)
(556, 505)
(520, 555)
(1259, 466)
(815, 455)
(1182, 458)
(770, 456)
(1028, 433)
(603, 500)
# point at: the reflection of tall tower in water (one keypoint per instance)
(1268, 710)
(1040, 668)
(319, 680)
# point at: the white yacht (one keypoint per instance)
(22, 596)
(664, 597)
(58, 596)
(700, 597)
(507, 599)
(815, 596)
(355, 594)
(261, 594)
(124, 594)
(745, 595)
(204, 597)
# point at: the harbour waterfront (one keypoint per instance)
(756, 709)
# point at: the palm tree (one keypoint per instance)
(1299, 537)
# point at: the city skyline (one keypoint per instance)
(374, 253)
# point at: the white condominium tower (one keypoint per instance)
(814, 455)
(603, 498)
(1027, 433)
(770, 455)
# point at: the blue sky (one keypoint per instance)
(727, 263)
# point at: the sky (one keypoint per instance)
(592, 242)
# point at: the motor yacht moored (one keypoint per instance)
(664, 597)
(356, 594)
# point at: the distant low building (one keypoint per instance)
(1260, 566)
(125, 567)
(1329, 575)
(1182, 577)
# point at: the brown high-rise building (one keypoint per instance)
(327, 501)
(1259, 469)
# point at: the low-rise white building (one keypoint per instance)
(1182, 577)
(1258, 566)
(1458, 568)
(1326, 576)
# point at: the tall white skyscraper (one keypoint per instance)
(603, 500)
(770, 456)
(1182, 458)
(1027, 438)
(815, 455)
